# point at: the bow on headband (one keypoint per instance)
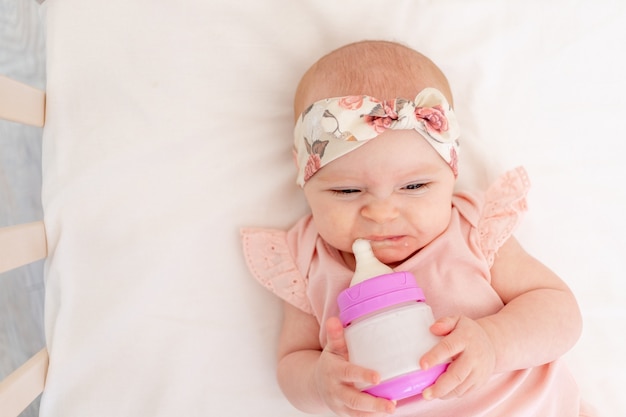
(330, 128)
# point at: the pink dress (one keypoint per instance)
(454, 272)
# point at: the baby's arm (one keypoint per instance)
(316, 380)
(539, 322)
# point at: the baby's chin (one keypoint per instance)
(393, 261)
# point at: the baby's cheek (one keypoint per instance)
(332, 229)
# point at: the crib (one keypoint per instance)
(166, 128)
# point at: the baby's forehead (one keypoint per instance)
(395, 155)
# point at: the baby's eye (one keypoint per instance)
(416, 186)
(346, 191)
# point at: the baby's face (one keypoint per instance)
(395, 191)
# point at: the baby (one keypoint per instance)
(376, 143)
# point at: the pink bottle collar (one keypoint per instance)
(377, 293)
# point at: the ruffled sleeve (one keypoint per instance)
(505, 202)
(268, 257)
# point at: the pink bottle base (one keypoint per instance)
(407, 385)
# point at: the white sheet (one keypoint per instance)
(169, 127)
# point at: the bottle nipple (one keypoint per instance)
(367, 265)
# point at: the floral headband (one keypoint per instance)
(330, 128)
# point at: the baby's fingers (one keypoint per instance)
(340, 394)
(446, 350)
(376, 407)
(353, 374)
(453, 382)
(444, 325)
(336, 342)
(360, 404)
(333, 367)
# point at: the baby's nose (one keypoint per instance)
(380, 211)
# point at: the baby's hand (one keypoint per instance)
(471, 351)
(335, 378)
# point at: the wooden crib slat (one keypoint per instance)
(22, 244)
(23, 386)
(21, 103)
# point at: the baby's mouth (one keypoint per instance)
(392, 240)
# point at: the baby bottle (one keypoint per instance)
(386, 322)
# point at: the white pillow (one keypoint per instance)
(169, 128)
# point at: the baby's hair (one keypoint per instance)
(382, 69)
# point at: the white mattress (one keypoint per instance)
(169, 128)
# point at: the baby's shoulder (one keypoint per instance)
(495, 213)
